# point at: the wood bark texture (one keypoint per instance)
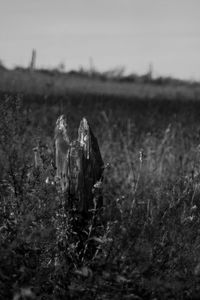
(79, 166)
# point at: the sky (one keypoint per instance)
(110, 33)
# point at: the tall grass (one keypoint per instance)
(146, 243)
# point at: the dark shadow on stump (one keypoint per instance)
(79, 170)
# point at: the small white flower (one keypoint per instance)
(193, 208)
(47, 180)
(98, 185)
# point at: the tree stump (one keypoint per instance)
(79, 166)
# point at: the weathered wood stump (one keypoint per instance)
(79, 166)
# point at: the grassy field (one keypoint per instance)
(148, 244)
(46, 83)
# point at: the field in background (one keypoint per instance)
(44, 82)
(149, 248)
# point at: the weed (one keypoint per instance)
(144, 245)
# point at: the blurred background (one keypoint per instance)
(135, 35)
